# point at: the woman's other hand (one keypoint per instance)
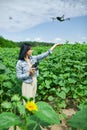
(32, 71)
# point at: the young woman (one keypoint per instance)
(27, 72)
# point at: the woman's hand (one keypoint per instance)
(32, 71)
(57, 44)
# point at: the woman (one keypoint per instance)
(26, 70)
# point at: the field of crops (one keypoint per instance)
(62, 80)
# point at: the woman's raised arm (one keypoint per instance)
(57, 44)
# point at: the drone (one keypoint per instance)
(61, 19)
(10, 18)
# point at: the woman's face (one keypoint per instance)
(29, 52)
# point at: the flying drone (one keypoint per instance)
(61, 19)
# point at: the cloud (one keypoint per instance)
(57, 39)
(27, 39)
(38, 39)
(84, 38)
(27, 14)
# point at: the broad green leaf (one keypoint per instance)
(70, 80)
(79, 120)
(7, 84)
(21, 108)
(2, 68)
(8, 119)
(47, 83)
(47, 113)
(50, 98)
(15, 98)
(6, 104)
(1, 91)
(62, 94)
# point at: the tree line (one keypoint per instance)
(11, 44)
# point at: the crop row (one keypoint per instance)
(62, 79)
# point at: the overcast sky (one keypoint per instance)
(22, 20)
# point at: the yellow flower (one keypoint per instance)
(31, 106)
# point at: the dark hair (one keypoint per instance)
(24, 48)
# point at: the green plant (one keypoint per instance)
(30, 116)
(79, 120)
(62, 80)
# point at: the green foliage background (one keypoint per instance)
(62, 77)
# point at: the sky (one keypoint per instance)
(31, 20)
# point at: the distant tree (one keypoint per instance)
(6, 43)
(35, 43)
